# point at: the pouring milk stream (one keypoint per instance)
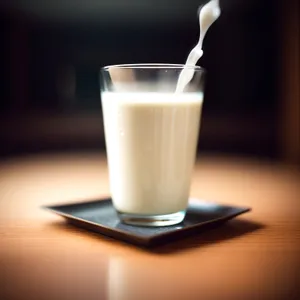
(208, 14)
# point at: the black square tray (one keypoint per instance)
(100, 216)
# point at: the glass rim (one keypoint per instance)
(153, 66)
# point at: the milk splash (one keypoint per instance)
(208, 14)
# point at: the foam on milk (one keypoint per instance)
(151, 141)
(207, 16)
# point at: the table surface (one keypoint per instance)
(254, 256)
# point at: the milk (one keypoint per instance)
(208, 14)
(151, 141)
(151, 137)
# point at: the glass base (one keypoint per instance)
(152, 220)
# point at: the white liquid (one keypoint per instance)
(151, 141)
(207, 16)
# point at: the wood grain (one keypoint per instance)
(252, 257)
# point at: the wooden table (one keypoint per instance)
(252, 257)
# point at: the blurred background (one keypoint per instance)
(51, 53)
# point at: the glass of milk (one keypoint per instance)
(151, 134)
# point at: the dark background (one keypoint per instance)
(52, 52)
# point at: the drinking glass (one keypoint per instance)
(151, 135)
